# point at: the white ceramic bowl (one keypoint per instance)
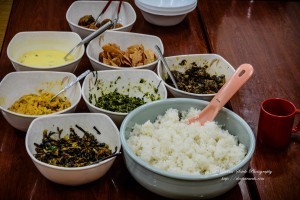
(129, 83)
(178, 186)
(75, 175)
(124, 40)
(16, 84)
(217, 66)
(78, 9)
(167, 6)
(165, 13)
(44, 40)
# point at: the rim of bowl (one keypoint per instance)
(45, 68)
(69, 168)
(187, 4)
(163, 12)
(160, 65)
(115, 71)
(104, 2)
(88, 51)
(51, 114)
(193, 177)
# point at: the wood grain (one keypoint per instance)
(5, 7)
(265, 34)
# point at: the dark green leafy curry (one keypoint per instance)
(71, 150)
(109, 97)
(197, 80)
(116, 102)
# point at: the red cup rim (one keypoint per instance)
(280, 99)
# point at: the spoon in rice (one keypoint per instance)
(241, 75)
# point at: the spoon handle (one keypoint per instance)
(242, 74)
(86, 40)
(72, 83)
(103, 28)
(104, 9)
(107, 157)
(165, 64)
(236, 81)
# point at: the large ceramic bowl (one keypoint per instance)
(217, 65)
(78, 9)
(73, 175)
(24, 42)
(180, 186)
(144, 84)
(123, 40)
(16, 84)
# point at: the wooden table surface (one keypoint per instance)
(263, 33)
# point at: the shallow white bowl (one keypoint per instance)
(124, 40)
(78, 9)
(77, 175)
(16, 84)
(23, 42)
(180, 186)
(130, 79)
(217, 66)
(164, 16)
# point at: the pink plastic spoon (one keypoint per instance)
(241, 75)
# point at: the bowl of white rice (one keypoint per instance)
(174, 159)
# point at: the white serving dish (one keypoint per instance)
(124, 40)
(75, 175)
(23, 42)
(78, 9)
(16, 84)
(129, 83)
(217, 66)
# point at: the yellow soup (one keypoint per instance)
(45, 58)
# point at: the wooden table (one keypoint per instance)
(263, 33)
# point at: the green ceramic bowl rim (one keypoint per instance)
(144, 164)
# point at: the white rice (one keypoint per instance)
(171, 144)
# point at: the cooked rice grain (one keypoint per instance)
(172, 145)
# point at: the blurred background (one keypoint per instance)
(5, 6)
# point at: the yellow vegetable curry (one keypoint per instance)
(39, 104)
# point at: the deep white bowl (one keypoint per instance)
(217, 66)
(16, 84)
(164, 15)
(23, 42)
(129, 83)
(78, 9)
(124, 40)
(75, 175)
(178, 186)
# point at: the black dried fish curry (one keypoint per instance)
(197, 80)
(71, 150)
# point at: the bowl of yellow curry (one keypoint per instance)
(44, 51)
(25, 96)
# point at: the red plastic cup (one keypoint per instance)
(276, 122)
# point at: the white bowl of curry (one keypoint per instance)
(44, 51)
(25, 96)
